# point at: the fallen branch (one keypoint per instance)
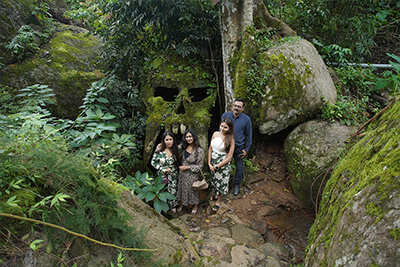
(71, 232)
(377, 115)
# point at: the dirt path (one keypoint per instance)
(265, 203)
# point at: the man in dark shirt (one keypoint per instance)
(243, 138)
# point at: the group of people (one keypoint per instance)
(182, 164)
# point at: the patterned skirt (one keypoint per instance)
(220, 178)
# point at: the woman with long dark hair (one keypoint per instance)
(220, 155)
(191, 164)
(166, 161)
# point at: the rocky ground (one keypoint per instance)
(266, 205)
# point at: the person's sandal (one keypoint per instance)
(194, 211)
(215, 208)
(180, 208)
(214, 198)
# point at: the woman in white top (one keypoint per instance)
(220, 155)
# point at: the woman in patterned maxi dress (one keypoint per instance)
(166, 161)
(220, 155)
(191, 163)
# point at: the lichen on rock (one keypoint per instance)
(283, 82)
(311, 149)
(360, 204)
(69, 64)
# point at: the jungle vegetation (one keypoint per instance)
(69, 172)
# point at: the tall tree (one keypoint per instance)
(236, 16)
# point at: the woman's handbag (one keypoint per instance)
(200, 185)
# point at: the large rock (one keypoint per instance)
(246, 236)
(16, 13)
(296, 89)
(13, 14)
(158, 233)
(69, 64)
(310, 150)
(358, 222)
(293, 84)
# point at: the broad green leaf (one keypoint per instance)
(381, 83)
(108, 116)
(168, 195)
(150, 196)
(103, 100)
(162, 197)
(12, 202)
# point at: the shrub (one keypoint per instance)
(149, 189)
(24, 43)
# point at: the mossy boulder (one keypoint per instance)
(13, 14)
(310, 150)
(284, 85)
(68, 64)
(17, 13)
(358, 222)
(158, 233)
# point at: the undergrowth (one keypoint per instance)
(47, 182)
(64, 172)
(355, 88)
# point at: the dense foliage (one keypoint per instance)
(40, 177)
(335, 26)
(343, 31)
(356, 88)
(136, 31)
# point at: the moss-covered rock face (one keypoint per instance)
(69, 64)
(157, 233)
(284, 85)
(13, 14)
(359, 216)
(180, 94)
(16, 13)
(310, 150)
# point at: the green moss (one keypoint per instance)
(262, 78)
(371, 163)
(356, 249)
(171, 71)
(177, 258)
(210, 261)
(394, 233)
(242, 61)
(373, 209)
(68, 64)
(67, 47)
(283, 80)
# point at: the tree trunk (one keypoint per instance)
(235, 17)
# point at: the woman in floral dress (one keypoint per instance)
(191, 164)
(166, 161)
(220, 155)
